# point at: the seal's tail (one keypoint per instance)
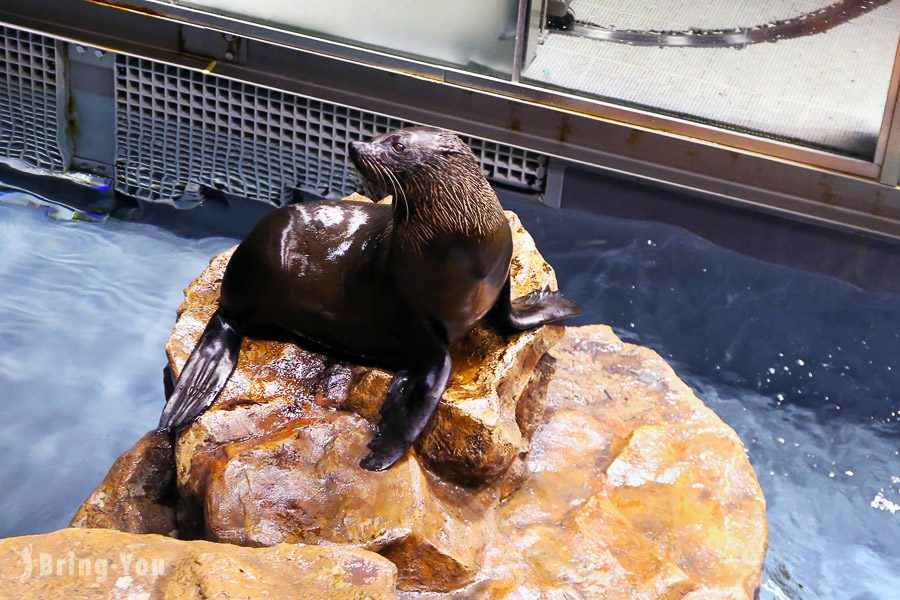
(204, 375)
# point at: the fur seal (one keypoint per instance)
(385, 285)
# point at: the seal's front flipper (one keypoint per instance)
(204, 375)
(168, 380)
(411, 401)
(530, 311)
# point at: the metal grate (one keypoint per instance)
(32, 101)
(179, 129)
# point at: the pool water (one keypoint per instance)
(806, 368)
(85, 311)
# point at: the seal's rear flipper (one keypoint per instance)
(411, 401)
(204, 375)
(530, 311)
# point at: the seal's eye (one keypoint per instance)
(398, 147)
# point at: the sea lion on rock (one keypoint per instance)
(389, 286)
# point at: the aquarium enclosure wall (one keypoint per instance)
(172, 101)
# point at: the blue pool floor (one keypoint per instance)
(806, 368)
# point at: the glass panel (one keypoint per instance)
(471, 34)
(814, 72)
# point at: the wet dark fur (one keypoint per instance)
(435, 188)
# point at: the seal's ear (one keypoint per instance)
(456, 147)
(450, 144)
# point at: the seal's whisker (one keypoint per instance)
(399, 187)
(379, 176)
(383, 179)
(398, 190)
(366, 178)
(393, 181)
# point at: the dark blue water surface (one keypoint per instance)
(806, 368)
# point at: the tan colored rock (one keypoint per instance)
(600, 474)
(135, 495)
(356, 197)
(304, 484)
(633, 488)
(111, 565)
(691, 493)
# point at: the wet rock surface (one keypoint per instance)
(633, 488)
(304, 484)
(557, 466)
(137, 495)
(99, 563)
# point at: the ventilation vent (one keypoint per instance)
(179, 129)
(32, 101)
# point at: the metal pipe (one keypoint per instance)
(803, 25)
(521, 35)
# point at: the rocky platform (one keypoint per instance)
(562, 463)
(112, 565)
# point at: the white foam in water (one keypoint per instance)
(882, 503)
(85, 311)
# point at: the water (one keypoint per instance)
(804, 367)
(85, 311)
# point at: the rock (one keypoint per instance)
(475, 434)
(633, 488)
(556, 467)
(304, 485)
(99, 563)
(356, 197)
(137, 494)
(697, 468)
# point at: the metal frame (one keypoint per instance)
(888, 152)
(528, 34)
(519, 54)
(731, 166)
(514, 88)
(33, 119)
(180, 129)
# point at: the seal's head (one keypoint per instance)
(418, 165)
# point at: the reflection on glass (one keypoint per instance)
(814, 71)
(471, 34)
